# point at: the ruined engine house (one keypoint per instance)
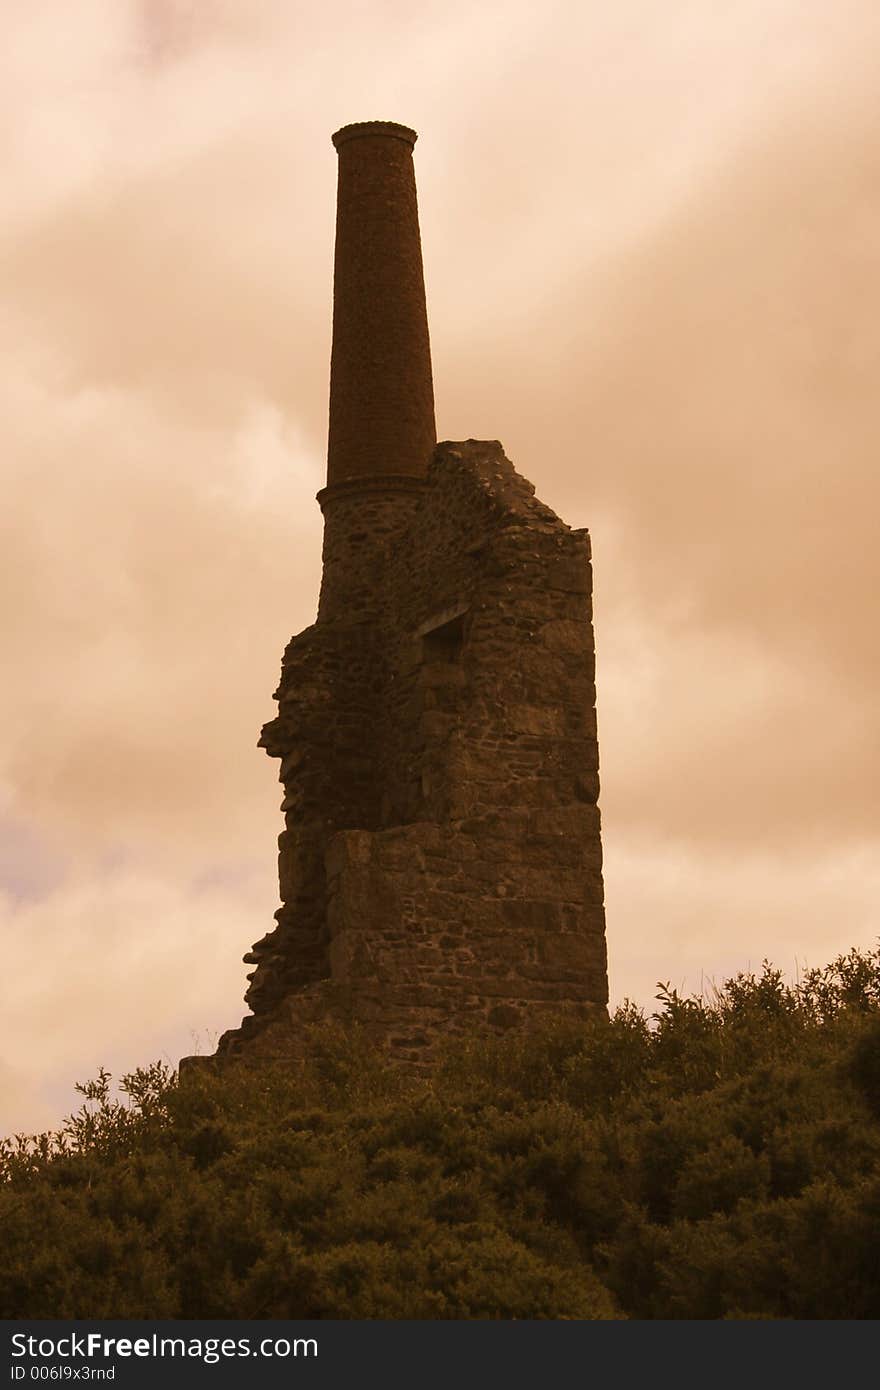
(441, 865)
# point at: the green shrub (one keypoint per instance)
(720, 1160)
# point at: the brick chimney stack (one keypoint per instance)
(381, 393)
(382, 432)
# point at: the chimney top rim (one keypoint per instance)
(390, 129)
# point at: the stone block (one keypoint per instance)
(570, 574)
(504, 1016)
(563, 635)
(568, 951)
(578, 822)
(348, 848)
(538, 720)
(532, 917)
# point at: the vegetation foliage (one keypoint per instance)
(719, 1160)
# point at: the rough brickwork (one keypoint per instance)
(441, 866)
(381, 391)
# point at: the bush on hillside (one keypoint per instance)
(721, 1160)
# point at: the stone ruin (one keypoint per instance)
(441, 866)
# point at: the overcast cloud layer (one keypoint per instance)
(651, 240)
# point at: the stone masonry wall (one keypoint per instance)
(440, 869)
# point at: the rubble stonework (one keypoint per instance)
(441, 866)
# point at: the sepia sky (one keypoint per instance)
(651, 238)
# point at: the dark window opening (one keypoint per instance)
(444, 643)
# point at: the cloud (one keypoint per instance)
(117, 967)
(153, 574)
(693, 920)
(649, 252)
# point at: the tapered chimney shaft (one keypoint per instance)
(381, 393)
